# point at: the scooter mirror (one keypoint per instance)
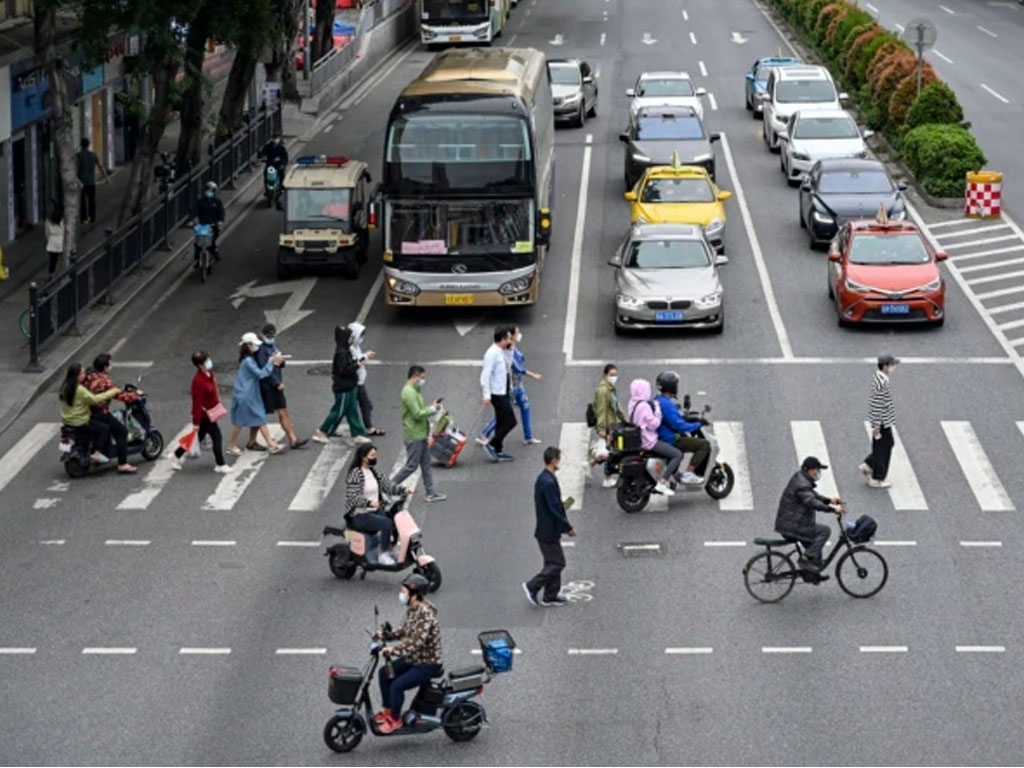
(707, 409)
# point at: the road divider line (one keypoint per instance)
(127, 542)
(108, 651)
(688, 651)
(786, 649)
(593, 651)
(755, 247)
(17, 651)
(213, 543)
(204, 651)
(569, 339)
(981, 543)
(725, 543)
(996, 94)
(298, 543)
(883, 649)
(300, 651)
(980, 648)
(977, 469)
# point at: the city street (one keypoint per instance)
(190, 617)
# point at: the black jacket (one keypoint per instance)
(547, 500)
(209, 210)
(344, 368)
(797, 506)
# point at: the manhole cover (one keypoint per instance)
(318, 370)
(641, 549)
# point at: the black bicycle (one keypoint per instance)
(770, 575)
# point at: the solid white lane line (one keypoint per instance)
(155, 480)
(688, 651)
(947, 10)
(977, 469)
(593, 651)
(992, 265)
(905, 493)
(786, 649)
(213, 543)
(686, 16)
(883, 649)
(980, 648)
(127, 542)
(693, 38)
(894, 543)
(298, 543)
(981, 543)
(725, 543)
(974, 231)
(321, 478)
(23, 451)
(711, 100)
(17, 651)
(204, 651)
(603, 37)
(809, 440)
(942, 56)
(53, 542)
(108, 651)
(986, 31)
(574, 441)
(1001, 292)
(733, 451)
(703, 69)
(231, 487)
(983, 241)
(755, 248)
(300, 651)
(371, 84)
(569, 339)
(996, 94)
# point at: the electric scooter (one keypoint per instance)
(361, 552)
(272, 185)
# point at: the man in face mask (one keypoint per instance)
(416, 432)
(210, 211)
(607, 412)
(551, 524)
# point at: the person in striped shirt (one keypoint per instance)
(882, 414)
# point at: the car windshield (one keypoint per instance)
(804, 91)
(318, 208)
(677, 191)
(825, 128)
(902, 248)
(855, 182)
(669, 127)
(673, 86)
(564, 74)
(667, 254)
(764, 69)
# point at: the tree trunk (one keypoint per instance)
(140, 180)
(46, 50)
(324, 40)
(190, 138)
(243, 69)
(281, 67)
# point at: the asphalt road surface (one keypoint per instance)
(189, 618)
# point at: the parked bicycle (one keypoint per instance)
(860, 571)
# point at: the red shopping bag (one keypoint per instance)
(188, 441)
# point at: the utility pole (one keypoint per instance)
(306, 63)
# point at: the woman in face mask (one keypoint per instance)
(246, 403)
(517, 367)
(206, 410)
(363, 500)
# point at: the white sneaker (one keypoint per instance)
(609, 482)
(690, 479)
(176, 463)
(532, 441)
(319, 437)
(483, 440)
(663, 489)
(362, 439)
(865, 469)
(223, 469)
(386, 559)
(879, 483)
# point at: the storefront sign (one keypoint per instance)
(30, 96)
(92, 79)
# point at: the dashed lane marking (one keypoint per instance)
(300, 651)
(693, 38)
(711, 100)
(883, 649)
(127, 542)
(725, 543)
(981, 543)
(204, 651)
(688, 651)
(108, 651)
(996, 94)
(593, 651)
(980, 649)
(298, 543)
(703, 69)
(53, 542)
(894, 543)
(786, 649)
(988, 32)
(942, 56)
(213, 543)
(17, 651)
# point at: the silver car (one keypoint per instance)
(573, 90)
(818, 135)
(661, 89)
(666, 276)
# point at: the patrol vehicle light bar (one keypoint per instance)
(321, 160)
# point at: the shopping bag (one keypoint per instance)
(599, 450)
(190, 442)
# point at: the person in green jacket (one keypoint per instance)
(76, 403)
(416, 431)
(608, 412)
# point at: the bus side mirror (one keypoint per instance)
(371, 215)
(544, 227)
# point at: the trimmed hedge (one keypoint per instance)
(880, 72)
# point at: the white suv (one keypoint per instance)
(795, 88)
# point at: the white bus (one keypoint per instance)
(462, 21)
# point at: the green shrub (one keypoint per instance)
(825, 45)
(940, 156)
(936, 104)
(904, 95)
(856, 20)
(856, 49)
(811, 10)
(824, 22)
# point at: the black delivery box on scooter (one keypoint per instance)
(344, 685)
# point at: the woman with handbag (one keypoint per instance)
(207, 409)
(247, 408)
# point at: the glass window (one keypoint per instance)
(677, 191)
(903, 248)
(455, 10)
(804, 91)
(667, 254)
(674, 86)
(564, 74)
(318, 208)
(825, 128)
(855, 182)
(458, 139)
(460, 228)
(669, 127)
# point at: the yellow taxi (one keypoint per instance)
(680, 194)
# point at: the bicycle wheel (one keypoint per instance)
(23, 324)
(866, 574)
(204, 264)
(769, 576)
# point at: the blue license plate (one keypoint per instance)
(895, 309)
(671, 316)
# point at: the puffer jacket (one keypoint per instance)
(797, 506)
(344, 370)
(644, 412)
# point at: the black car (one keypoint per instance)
(656, 133)
(844, 188)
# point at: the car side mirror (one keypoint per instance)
(805, 184)
(844, 96)
(615, 261)
(724, 195)
(750, 76)
(868, 134)
(624, 138)
(631, 195)
(782, 135)
(715, 137)
(721, 260)
(702, 91)
(630, 92)
(834, 256)
(588, 79)
(941, 256)
(901, 186)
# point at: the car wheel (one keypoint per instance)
(593, 107)
(803, 221)
(792, 182)
(581, 118)
(831, 293)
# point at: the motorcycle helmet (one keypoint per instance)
(668, 381)
(417, 585)
(212, 186)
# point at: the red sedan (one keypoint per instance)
(882, 271)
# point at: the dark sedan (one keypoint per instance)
(839, 189)
(656, 134)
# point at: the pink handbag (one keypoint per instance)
(217, 412)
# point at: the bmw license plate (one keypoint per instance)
(895, 309)
(670, 316)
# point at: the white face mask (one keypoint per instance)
(519, 337)
(403, 598)
(208, 364)
(612, 380)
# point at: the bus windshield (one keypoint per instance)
(455, 11)
(460, 228)
(458, 152)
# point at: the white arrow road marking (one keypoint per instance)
(737, 37)
(648, 40)
(321, 478)
(559, 39)
(288, 315)
(464, 325)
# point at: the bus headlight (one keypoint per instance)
(519, 285)
(403, 286)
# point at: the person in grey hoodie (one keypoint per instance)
(365, 404)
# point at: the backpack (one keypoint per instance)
(863, 530)
(591, 416)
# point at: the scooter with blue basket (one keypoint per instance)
(447, 702)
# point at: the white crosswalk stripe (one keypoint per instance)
(733, 451)
(977, 469)
(574, 441)
(231, 487)
(905, 493)
(154, 481)
(321, 478)
(809, 440)
(25, 450)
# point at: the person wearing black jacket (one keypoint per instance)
(551, 524)
(210, 210)
(344, 379)
(796, 516)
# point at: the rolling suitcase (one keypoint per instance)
(447, 442)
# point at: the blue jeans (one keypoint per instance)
(523, 403)
(407, 676)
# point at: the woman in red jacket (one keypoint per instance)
(206, 410)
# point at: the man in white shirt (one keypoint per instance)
(495, 381)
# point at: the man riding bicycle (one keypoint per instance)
(795, 518)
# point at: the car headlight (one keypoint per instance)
(628, 302)
(714, 225)
(821, 218)
(429, 34)
(483, 30)
(801, 156)
(640, 157)
(518, 285)
(402, 286)
(898, 215)
(710, 301)
(857, 287)
(862, 154)
(931, 287)
(702, 158)
(641, 220)
(571, 99)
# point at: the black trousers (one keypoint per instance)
(550, 578)
(207, 427)
(365, 406)
(99, 434)
(118, 432)
(88, 202)
(881, 452)
(814, 548)
(504, 420)
(54, 259)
